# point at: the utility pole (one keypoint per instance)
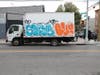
(86, 37)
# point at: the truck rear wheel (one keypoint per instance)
(54, 42)
(16, 42)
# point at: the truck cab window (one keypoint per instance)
(13, 28)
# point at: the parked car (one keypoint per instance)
(94, 36)
(91, 35)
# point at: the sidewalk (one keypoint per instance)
(81, 41)
(2, 41)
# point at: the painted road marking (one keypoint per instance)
(47, 51)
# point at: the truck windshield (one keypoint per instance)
(13, 28)
(16, 28)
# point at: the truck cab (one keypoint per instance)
(14, 31)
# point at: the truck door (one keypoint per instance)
(11, 33)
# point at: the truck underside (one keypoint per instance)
(54, 41)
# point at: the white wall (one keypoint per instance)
(92, 24)
(45, 17)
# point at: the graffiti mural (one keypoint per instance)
(39, 30)
(63, 29)
(49, 29)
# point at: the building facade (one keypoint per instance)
(97, 23)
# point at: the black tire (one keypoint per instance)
(16, 42)
(21, 42)
(54, 42)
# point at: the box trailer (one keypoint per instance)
(39, 27)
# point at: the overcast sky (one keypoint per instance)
(50, 6)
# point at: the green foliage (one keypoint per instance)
(60, 8)
(69, 7)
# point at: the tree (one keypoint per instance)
(60, 8)
(69, 7)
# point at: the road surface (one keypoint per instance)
(48, 60)
(48, 47)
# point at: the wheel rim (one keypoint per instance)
(16, 42)
(54, 43)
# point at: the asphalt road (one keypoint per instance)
(48, 47)
(81, 63)
(47, 60)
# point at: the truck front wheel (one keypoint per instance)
(16, 42)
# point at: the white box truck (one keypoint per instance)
(39, 27)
